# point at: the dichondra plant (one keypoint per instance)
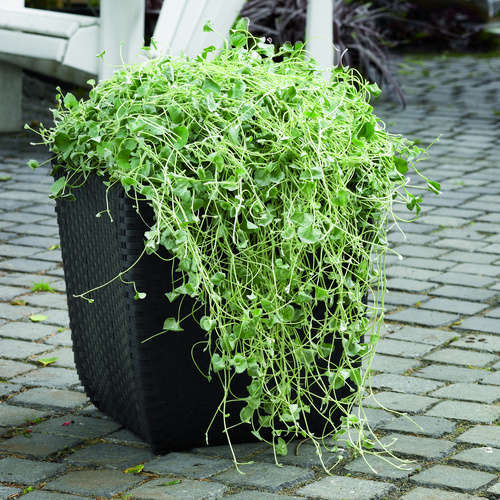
(271, 189)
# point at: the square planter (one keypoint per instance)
(152, 387)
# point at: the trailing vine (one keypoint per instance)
(271, 189)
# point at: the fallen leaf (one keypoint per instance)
(47, 361)
(38, 317)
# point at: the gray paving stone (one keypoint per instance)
(347, 488)
(493, 249)
(401, 348)
(421, 493)
(462, 410)
(26, 331)
(443, 220)
(464, 279)
(27, 472)
(404, 299)
(15, 313)
(420, 335)
(47, 299)
(433, 264)
(60, 378)
(463, 357)
(50, 398)
(258, 495)
(422, 252)
(94, 482)
(77, 426)
(38, 445)
(37, 241)
(109, 455)
(405, 272)
(65, 358)
(16, 416)
(404, 384)
(413, 446)
(471, 257)
(492, 378)
(477, 269)
(303, 455)
(384, 468)
(47, 495)
(57, 317)
(188, 465)
(409, 403)
(459, 244)
(23, 195)
(49, 255)
(485, 458)
(34, 229)
(10, 250)
(449, 373)
(18, 350)
(187, 489)
(422, 425)
(407, 285)
(454, 306)
(124, 436)
(494, 491)
(375, 417)
(9, 293)
(61, 339)
(23, 217)
(457, 212)
(391, 364)
(456, 478)
(6, 389)
(486, 435)
(27, 265)
(479, 342)
(480, 324)
(495, 313)
(469, 392)
(6, 492)
(24, 279)
(424, 318)
(9, 368)
(465, 234)
(267, 477)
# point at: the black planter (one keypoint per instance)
(153, 388)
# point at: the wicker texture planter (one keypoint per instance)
(152, 388)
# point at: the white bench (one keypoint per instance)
(65, 46)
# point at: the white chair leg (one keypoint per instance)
(11, 94)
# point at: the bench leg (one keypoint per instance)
(11, 94)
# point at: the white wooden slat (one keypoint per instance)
(170, 15)
(48, 67)
(12, 4)
(35, 46)
(120, 24)
(82, 49)
(319, 31)
(186, 27)
(223, 15)
(43, 22)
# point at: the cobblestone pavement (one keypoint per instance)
(438, 360)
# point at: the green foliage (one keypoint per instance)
(42, 286)
(271, 188)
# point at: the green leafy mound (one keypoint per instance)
(271, 187)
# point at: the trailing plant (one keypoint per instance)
(271, 189)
